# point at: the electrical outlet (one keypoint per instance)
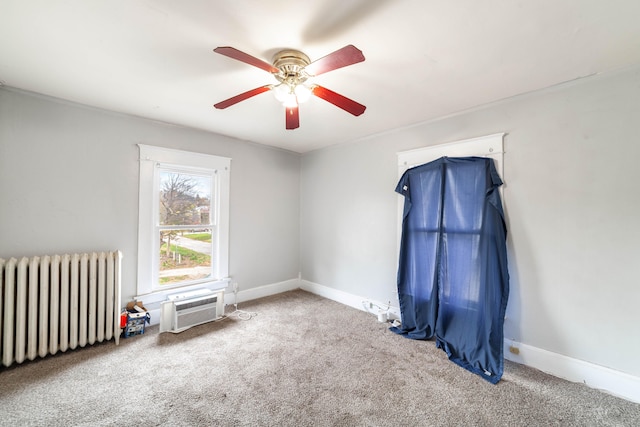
(514, 350)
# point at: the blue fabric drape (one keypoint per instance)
(453, 282)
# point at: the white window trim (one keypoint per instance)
(491, 146)
(150, 157)
(484, 146)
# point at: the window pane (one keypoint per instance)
(185, 199)
(185, 255)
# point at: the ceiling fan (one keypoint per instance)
(293, 71)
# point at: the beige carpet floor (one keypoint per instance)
(302, 361)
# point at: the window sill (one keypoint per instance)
(152, 300)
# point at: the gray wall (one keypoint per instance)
(572, 200)
(69, 183)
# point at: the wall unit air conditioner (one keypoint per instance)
(188, 309)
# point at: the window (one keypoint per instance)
(183, 234)
(486, 146)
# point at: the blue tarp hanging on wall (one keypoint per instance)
(453, 282)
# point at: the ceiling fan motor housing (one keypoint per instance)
(291, 64)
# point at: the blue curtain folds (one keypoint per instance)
(453, 282)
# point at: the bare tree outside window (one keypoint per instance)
(185, 227)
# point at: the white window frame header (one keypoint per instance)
(485, 146)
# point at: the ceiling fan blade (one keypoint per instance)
(293, 117)
(348, 55)
(246, 95)
(348, 105)
(234, 53)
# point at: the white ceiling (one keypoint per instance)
(424, 58)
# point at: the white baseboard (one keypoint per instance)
(595, 376)
(609, 380)
(345, 298)
(260, 291)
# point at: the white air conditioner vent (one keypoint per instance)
(183, 311)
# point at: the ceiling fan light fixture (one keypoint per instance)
(293, 72)
(282, 92)
(291, 101)
(292, 95)
(303, 93)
